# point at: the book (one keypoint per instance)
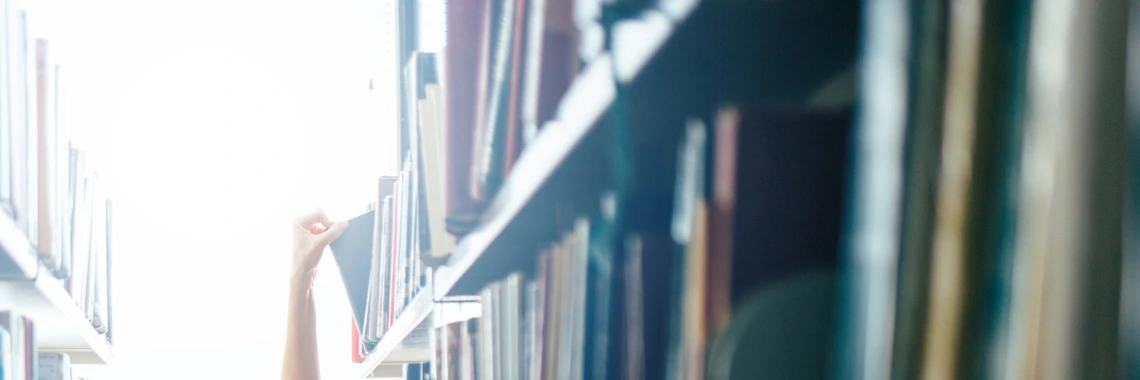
(440, 242)
(549, 63)
(356, 347)
(381, 245)
(512, 127)
(19, 116)
(109, 330)
(19, 344)
(6, 109)
(490, 148)
(721, 227)
(47, 208)
(687, 336)
(463, 86)
(30, 167)
(470, 342)
(6, 353)
(54, 366)
(98, 297)
(352, 252)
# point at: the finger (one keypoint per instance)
(332, 233)
(312, 217)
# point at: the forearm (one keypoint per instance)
(301, 361)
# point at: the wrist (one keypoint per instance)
(301, 282)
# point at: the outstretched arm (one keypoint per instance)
(310, 237)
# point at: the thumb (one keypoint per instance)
(332, 233)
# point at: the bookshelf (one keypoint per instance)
(60, 325)
(405, 342)
(18, 256)
(585, 103)
(564, 147)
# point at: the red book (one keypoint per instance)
(357, 351)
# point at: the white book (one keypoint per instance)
(84, 234)
(31, 126)
(64, 190)
(97, 236)
(5, 109)
(47, 206)
(14, 361)
(384, 284)
(54, 366)
(81, 219)
(373, 329)
(432, 141)
(99, 296)
(16, 39)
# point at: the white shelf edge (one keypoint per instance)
(41, 297)
(388, 351)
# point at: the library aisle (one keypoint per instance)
(570, 189)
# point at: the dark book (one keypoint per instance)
(722, 203)
(490, 148)
(463, 88)
(550, 62)
(352, 252)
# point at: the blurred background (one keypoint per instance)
(227, 119)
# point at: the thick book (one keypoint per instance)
(352, 252)
(463, 88)
(440, 243)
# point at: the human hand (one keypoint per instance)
(312, 232)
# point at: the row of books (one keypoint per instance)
(48, 186)
(473, 103)
(18, 354)
(651, 303)
(531, 327)
(397, 273)
(19, 358)
(34, 151)
(994, 200)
